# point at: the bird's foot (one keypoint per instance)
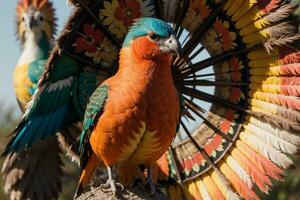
(111, 186)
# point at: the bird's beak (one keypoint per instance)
(31, 23)
(172, 45)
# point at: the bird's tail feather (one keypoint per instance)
(86, 174)
(20, 169)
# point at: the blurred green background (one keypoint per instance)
(289, 189)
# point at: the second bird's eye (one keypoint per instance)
(153, 36)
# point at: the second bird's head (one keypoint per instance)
(150, 38)
(35, 17)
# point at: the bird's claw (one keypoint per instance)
(111, 186)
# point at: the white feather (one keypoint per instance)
(266, 150)
(67, 82)
(203, 191)
(270, 139)
(283, 134)
(239, 170)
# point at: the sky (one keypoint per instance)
(9, 46)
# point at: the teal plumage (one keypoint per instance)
(152, 24)
(47, 110)
(93, 111)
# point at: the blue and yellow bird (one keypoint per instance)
(35, 29)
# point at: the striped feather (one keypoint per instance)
(224, 186)
(277, 121)
(288, 136)
(257, 174)
(239, 170)
(238, 184)
(281, 41)
(272, 140)
(281, 13)
(268, 151)
(266, 165)
(275, 109)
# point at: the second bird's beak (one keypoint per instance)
(31, 23)
(172, 45)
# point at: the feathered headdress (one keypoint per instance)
(45, 7)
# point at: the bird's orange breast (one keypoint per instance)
(140, 116)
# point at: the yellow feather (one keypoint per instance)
(234, 7)
(266, 80)
(275, 89)
(228, 4)
(265, 62)
(275, 71)
(243, 9)
(193, 190)
(212, 187)
(203, 190)
(265, 106)
(261, 23)
(252, 15)
(262, 53)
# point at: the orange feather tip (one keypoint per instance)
(267, 6)
(23, 5)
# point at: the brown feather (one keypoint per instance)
(278, 121)
(28, 175)
(282, 13)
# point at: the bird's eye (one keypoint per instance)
(41, 18)
(23, 19)
(153, 36)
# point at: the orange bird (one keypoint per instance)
(132, 117)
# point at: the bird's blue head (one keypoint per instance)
(154, 33)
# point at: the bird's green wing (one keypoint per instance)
(93, 111)
(47, 111)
